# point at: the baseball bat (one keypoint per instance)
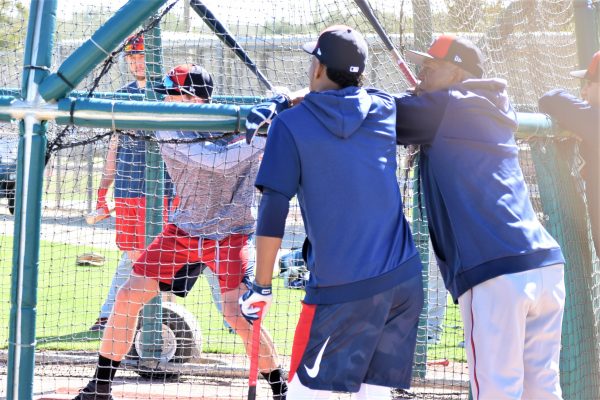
(223, 34)
(254, 353)
(366, 9)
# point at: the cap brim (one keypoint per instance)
(578, 74)
(309, 47)
(417, 57)
(161, 89)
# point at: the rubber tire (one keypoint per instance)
(11, 204)
(11, 199)
(184, 338)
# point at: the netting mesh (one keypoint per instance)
(529, 43)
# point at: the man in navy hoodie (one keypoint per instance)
(336, 152)
(497, 260)
(582, 117)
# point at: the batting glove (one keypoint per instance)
(256, 294)
(101, 203)
(264, 113)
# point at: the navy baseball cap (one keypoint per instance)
(341, 48)
(457, 50)
(187, 79)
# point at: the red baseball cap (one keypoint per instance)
(457, 50)
(592, 73)
(134, 44)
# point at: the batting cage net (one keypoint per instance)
(106, 191)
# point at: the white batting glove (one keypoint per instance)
(264, 113)
(248, 302)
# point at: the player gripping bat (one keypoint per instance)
(368, 13)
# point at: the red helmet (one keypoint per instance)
(134, 44)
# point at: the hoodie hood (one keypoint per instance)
(342, 111)
(493, 90)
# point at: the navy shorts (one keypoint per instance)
(340, 346)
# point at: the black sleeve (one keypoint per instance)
(418, 118)
(272, 212)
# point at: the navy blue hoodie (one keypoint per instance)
(336, 150)
(481, 221)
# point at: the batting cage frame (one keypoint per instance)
(49, 94)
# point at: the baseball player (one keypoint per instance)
(336, 151)
(209, 229)
(582, 116)
(125, 167)
(497, 260)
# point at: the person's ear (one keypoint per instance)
(458, 74)
(320, 71)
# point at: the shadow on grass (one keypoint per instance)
(86, 336)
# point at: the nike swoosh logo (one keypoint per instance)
(314, 371)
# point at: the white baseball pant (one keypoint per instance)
(512, 329)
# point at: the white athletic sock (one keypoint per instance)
(297, 391)
(373, 392)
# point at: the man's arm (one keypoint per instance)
(266, 254)
(278, 179)
(270, 228)
(108, 175)
(110, 164)
(571, 113)
(418, 117)
(272, 213)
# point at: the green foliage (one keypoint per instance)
(13, 25)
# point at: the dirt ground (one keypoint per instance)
(58, 379)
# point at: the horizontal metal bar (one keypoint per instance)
(126, 114)
(130, 114)
(16, 93)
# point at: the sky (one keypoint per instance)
(244, 10)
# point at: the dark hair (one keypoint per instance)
(345, 79)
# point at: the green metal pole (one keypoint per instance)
(227, 99)
(154, 174)
(586, 30)
(30, 175)
(92, 52)
(421, 239)
(423, 33)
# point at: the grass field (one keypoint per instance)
(452, 336)
(70, 296)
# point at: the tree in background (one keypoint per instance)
(13, 24)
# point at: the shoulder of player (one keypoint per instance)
(292, 116)
(560, 101)
(381, 100)
(131, 87)
(424, 101)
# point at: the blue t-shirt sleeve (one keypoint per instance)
(280, 166)
(418, 118)
(571, 113)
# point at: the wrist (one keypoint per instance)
(264, 290)
(102, 193)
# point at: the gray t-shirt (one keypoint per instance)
(214, 181)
